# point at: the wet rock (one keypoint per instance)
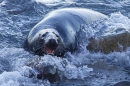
(45, 68)
(114, 40)
(123, 83)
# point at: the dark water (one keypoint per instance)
(17, 17)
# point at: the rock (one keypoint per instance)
(45, 68)
(123, 83)
(117, 40)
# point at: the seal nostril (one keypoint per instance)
(52, 44)
(52, 41)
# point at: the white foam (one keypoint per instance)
(48, 1)
(55, 2)
(10, 78)
(16, 79)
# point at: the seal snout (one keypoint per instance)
(51, 45)
(52, 41)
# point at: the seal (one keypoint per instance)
(56, 33)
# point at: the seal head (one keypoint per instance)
(46, 41)
(49, 40)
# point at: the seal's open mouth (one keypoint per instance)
(51, 46)
(50, 51)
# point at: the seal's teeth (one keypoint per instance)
(50, 51)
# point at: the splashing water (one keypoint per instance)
(79, 68)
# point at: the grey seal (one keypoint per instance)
(56, 33)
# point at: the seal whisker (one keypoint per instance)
(40, 52)
(38, 48)
(62, 47)
(62, 43)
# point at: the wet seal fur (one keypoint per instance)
(56, 33)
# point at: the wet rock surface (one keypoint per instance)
(123, 83)
(116, 40)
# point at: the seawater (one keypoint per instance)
(79, 68)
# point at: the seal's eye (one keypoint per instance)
(56, 34)
(43, 35)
